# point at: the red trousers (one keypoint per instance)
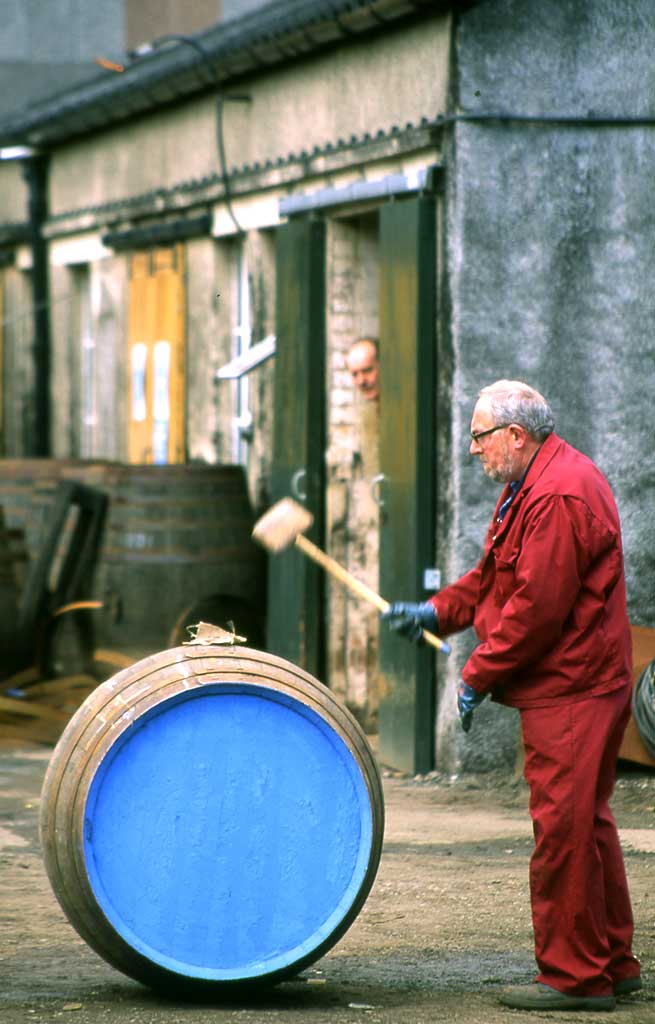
(581, 912)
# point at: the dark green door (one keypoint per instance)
(295, 611)
(407, 460)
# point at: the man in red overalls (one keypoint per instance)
(547, 602)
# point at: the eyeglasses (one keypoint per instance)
(477, 434)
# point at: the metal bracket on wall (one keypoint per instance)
(431, 579)
(248, 360)
(423, 179)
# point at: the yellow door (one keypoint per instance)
(156, 357)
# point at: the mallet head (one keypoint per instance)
(278, 528)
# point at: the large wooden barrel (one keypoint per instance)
(174, 536)
(211, 817)
(176, 545)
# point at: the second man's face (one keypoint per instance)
(363, 365)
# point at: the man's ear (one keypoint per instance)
(518, 434)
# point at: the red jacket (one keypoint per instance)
(547, 599)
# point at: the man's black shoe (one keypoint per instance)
(628, 986)
(543, 997)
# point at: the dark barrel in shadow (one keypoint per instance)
(175, 536)
(175, 548)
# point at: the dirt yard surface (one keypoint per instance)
(445, 928)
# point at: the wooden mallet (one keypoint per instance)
(283, 526)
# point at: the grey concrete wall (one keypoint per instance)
(551, 232)
(60, 30)
(46, 47)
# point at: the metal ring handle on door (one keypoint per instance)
(376, 483)
(300, 474)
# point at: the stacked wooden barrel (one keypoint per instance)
(176, 543)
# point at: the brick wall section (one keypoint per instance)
(351, 463)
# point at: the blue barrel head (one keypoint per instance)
(228, 833)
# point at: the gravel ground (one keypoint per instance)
(445, 928)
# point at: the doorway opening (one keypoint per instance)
(352, 463)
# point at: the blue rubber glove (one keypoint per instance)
(467, 701)
(410, 619)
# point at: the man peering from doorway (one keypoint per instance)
(363, 362)
(548, 603)
(353, 530)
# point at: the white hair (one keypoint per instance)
(513, 401)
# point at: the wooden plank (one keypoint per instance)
(106, 656)
(30, 731)
(643, 651)
(31, 709)
(633, 748)
(53, 689)
(643, 648)
(22, 678)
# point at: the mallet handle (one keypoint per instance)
(330, 565)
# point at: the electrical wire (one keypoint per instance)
(149, 49)
(643, 707)
(570, 120)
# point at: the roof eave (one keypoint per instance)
(281, 32)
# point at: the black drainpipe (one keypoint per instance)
(35, 173)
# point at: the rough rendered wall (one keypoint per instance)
(109, 286)
(13, 193)
(106, 436)
(210, 267)
(364, 87)
(18, 364)
(136, 158)
(65, 366)
(551, 236)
